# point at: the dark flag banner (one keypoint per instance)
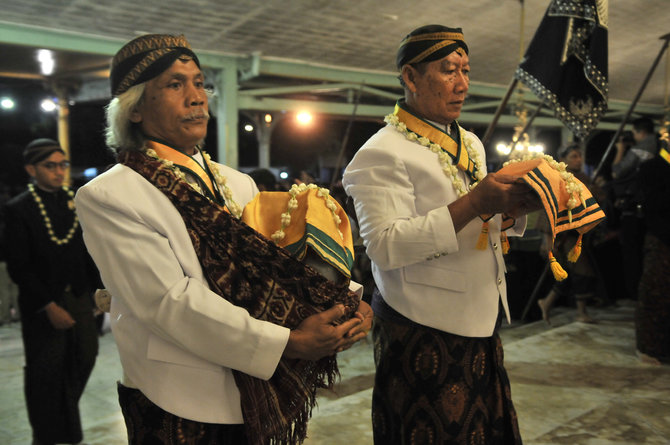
(566, 63)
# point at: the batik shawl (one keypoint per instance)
(252, 272)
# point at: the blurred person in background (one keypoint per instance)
(582, 278)
(47, 259)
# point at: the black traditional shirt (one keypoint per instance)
(41, 268)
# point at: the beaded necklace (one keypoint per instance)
(47, 220)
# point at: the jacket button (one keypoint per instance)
(495, 246)
(499, 280)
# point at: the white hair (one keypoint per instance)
(121, 133)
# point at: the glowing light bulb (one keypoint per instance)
(47, 63)
(304, 118)
(6, 103)
(48, 105)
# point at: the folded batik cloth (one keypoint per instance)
(566, 201)
(305, 220)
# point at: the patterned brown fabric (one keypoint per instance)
(58, 366)
(252, 272)
(147, 423)
(652, 329)
(432, 387)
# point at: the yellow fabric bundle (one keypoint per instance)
(312, 224)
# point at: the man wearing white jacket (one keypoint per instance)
(436, 244)
(209, 319)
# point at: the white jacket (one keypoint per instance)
(177, 340)
(422, 267)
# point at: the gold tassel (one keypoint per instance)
(483, 239)
(504, 242)
(573, 255)
(556, 269)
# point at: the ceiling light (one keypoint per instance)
(6, 103)
(248, 128)
(47, 63)
(304, 117)
(48, 105)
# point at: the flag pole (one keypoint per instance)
(512, 86)
(632, 105)
(501, 107)
(345, 139)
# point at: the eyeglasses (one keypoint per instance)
(52, 166)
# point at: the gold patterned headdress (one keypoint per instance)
(428, 43)
(146, 57)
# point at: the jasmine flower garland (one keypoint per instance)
(47, 220)
(448, 167)
(221, 181)
(293, 205)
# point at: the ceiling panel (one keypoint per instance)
(360, 34)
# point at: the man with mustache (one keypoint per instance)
(436, 244)
(223, 336)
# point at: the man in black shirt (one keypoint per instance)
(47, 259)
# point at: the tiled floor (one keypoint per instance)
(577, 384)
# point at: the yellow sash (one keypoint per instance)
(453, 147)
(183, 160)
(665, 155)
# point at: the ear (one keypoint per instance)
(135, 116)
(409, 74)
(30, 168)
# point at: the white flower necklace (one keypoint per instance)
(571, 185)
(221, 180)
(47, 220)
(293, 205)
(448, 167)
